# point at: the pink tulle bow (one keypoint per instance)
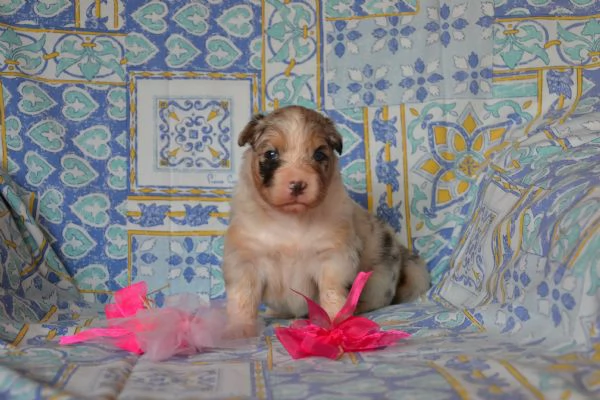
(319, 336)
(184, 328)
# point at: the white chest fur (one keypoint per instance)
(289, 250)
(290, 259)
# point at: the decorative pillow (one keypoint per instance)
(532, 247)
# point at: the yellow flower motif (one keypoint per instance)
(458, 150)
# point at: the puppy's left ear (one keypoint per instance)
(251, 132)
(333, 137)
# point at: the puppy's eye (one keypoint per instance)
(271, 155)
(319, 155)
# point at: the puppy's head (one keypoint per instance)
(293, 157)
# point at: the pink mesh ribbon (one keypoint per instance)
(319, 336)
(184, 328)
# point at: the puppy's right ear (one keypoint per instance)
(252, 131)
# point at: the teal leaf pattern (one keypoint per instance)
(117, 99)
(77, 172)
(34, 100)
(38, 168)
(117, 167)
(23, 52)
(76, 242)
(90, 59)
(151, 17)
(237, 21)
(139, 49)
(51, 8)
(181, 51)
(194, 18)
(11, 6)
(222, 52)
(51, 203)
(13, 133)
(48, 134)
(93, 142)
(117, 242)
(78, 104)
(92, 277)
(92, 209)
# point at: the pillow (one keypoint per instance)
(531, 249)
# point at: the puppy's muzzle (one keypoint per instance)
(297, 188)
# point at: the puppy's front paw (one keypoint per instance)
(332, 302)
(241, 330)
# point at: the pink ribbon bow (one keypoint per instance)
(160, 333)
(319, 336)
(128, 301)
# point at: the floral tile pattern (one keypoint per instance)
(185, 140)
(455, 62)
(289, 54)
(194, 134)
(343, 9)
(471, 127)
(185, 262)
(67, 56)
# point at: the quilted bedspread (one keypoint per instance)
(471, 126)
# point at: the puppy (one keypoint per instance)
(293, 226)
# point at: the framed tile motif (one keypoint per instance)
(183, 128)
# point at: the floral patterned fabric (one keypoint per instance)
(373, 62)
(471, 127)
(531, 245)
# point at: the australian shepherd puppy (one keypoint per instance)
(293, 226)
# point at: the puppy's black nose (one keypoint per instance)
(297, 187)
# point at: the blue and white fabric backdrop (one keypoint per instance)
(121, 116)
(471, 127)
